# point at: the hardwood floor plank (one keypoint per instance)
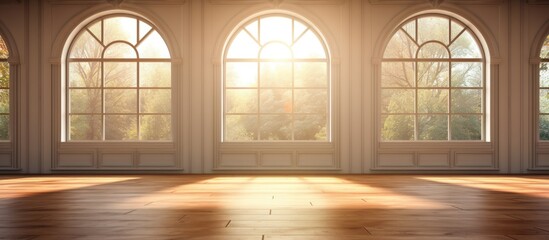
(286, 207)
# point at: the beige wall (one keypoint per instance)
(196, 31)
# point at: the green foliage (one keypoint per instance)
(415, 97)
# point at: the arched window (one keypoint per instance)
(433, 83)
(276, 83)
(4, 92)
(544, 91)
(118, 82)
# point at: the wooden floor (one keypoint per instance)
(300, 207)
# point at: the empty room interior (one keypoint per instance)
(274, 119)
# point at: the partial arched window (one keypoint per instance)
(544, 91)
(118, 82)
(276, 82)
(433, 83)
(4, 92)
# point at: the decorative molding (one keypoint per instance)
(118, 2)
(436, 3)
(538, 2)
(277, 3)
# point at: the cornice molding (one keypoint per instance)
(277, 2)
(538, 2)
(436, 3)
(10, 1)
(118, 2)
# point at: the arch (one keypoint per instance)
(433, 95)
(11, 44)
(111, 94)
(261, 9)
(67, 34)
(539, 64)
(486, 37)
(286, 106)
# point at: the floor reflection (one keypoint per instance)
(274, 207)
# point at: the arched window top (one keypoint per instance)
(118, 82)
(275, 37)
(276, 82)
(4, 52)
(117, 36)
(544, 53)
(421, 30)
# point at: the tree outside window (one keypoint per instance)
(276, 84)
(433, 82)
(118, 82)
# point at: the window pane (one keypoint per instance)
(85, 127)
(310, 101)
(144, 28)
(433, 28)
(466, 127)
(308, 46)
(433, 50)
(276, 101)
(253, 29)
(544, 53)
(121, 127)
(544, 100)
(4, 74)
(241, 74)
(276, 74)
(120, 50)
(544, 127)
(456, 29)
(86, 46)
(275, 29)
(155, 101)
(4, 53)
(4, 127)
(410, 29)
(397, 101)
(467, 74)
(433, 74)
(275, 50)
(156, 127)
(155, 74)
(241, 101)
(96, 29)
(310, 127)
(311, 74)
(465, 46)
(120, 29)
(544, 74)
(400, 46)
(397, 127)
(120, 74)
(299, 29)
(397, 74)
(120, 101)
(243, 46)
(4, 101)
(275, 127)
(240, 128)
(466, 101)
(153, 46)
(85, 100)
(85, 74)
(433, 127)
(432, 100)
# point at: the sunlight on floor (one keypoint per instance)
(527, 186)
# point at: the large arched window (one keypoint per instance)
(544, 91)
(4, 92)
(118, 82)
(276, 83)
(433, 83)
